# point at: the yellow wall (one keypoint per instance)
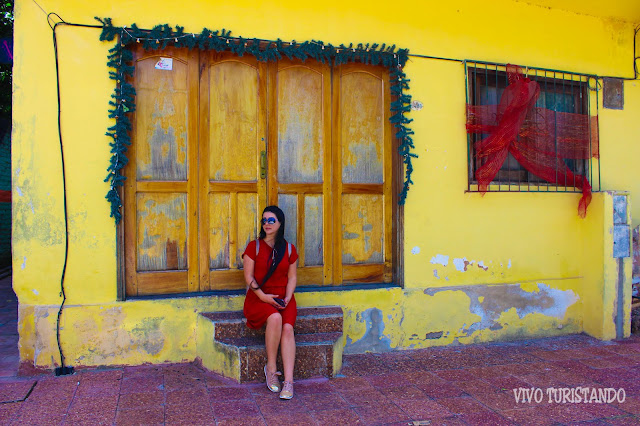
(544, 270)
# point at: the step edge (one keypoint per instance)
(258, 346)
(299, 317)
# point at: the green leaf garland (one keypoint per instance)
(161, 36)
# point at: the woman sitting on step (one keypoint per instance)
(270, 273)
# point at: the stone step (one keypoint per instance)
(227, 346)
(309, 320)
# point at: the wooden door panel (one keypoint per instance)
(160, 192)
(162, 231)
(362, 228)
(232, 189)
(300, 153)
(313, 230)
(226, 279)
(289, 205)
(353, 274)
(150, 283)
(233, 121)
(161, 120)
(362, 130)
(248, 212)
(362, 195)
(219, 230)
(227, 237)
(300, 124)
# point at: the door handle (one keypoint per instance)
(263, 164)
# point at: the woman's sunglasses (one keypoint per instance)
(269, 220)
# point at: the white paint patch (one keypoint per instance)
(18, 172)
(459, 263)
(562, 299)
(35, 292)
(435, 273)
(481, 264)
(18, 191)
(24, 262)
(440, 259)
(415, 250)
(509, 265)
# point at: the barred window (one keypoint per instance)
(550, 144)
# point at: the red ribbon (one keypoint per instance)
(538, 138)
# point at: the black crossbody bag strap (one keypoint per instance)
(279, 255)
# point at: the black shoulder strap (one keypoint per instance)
(278, 255)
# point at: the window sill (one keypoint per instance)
(526, 187)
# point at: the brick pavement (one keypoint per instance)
(441, 386)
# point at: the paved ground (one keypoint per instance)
(455, 385)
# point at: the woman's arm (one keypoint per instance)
(292, 281)
(249, 266)
(252, 284)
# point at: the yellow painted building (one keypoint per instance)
(450, 266)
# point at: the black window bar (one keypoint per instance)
(560, 91)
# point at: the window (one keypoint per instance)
(559, 133)
(218, 137)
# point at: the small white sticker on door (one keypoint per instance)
(165, 64)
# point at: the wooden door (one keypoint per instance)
(300, 161)
(232, 164)
(362, 175)
(160, 192)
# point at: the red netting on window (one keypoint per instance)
(538, 138)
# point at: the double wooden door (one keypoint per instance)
(218, 137)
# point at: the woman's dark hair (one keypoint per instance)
(280, 216)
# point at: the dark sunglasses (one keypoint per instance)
(269, 220)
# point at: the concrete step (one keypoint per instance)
(227, 346)
(232, 324)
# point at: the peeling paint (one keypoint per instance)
(434, 335)
(24, 262)
(435, 273)
(349, 235)
(490, 302)
(440, 259)
(373, 339)
(509, 265)
(415, 250)
(481, 265)
(149, 336)
(460, 264)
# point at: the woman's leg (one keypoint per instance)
(272, 340)
(288, 351)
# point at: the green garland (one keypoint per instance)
(161, 36)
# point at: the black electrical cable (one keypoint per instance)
(636, 72)
(62, 370)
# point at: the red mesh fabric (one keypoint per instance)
(538, 138)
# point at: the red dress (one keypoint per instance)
(255, 310)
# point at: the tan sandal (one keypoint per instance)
(287, 390)
(272, 380)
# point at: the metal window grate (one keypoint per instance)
(561, 92)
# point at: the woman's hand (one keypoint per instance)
(268, 298)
